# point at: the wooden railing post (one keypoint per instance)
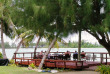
(31, 55)
(21, 60)
(101, 54)
(82, 64)
(35, 62)
(106, 58)
(93, 57)
(28, 61)
(64, 64)
(76, 63)
(23, 55)
(55, 64)
(15, 58)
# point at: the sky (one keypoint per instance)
(84, 36)
(74, 37)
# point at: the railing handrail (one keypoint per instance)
(61, 52)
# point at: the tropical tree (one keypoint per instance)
(7, 25)
(25, 36)
(59, 26)
(91, 16)
(29, 11)
(43, 17)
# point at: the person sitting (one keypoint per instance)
(75, 55)
(60, 56)
(48, 57)
(37, 56)
(67, 55)
(41, 55)
(56, 55)
(83, 54)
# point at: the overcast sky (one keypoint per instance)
(85, 36)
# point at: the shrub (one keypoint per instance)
(48, 69)
(32, 66)
(103, 69)
(11, 61)
(1, 56)
(13, 65)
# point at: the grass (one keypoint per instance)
(17, 70)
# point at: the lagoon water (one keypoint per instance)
(10, 52)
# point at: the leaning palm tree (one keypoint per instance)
(7, 25)
(25, 38)
(47, 52)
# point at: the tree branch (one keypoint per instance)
(94, 34)
(107, 37)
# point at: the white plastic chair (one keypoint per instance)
(88, 57)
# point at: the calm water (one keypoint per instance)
(10, 52)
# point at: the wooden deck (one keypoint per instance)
(24, 60)
(59, 63)
(54, 63)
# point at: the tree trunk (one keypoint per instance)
(103, 41)
(47, 52)
(105, 45)
(18, 47)
(36, 46)
(79, 47)
(2, 42)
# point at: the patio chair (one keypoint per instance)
(75, 56)
(94, 58)
(83, 57)
(88, 57)
(67, 57)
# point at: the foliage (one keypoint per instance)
(1, 56)
(103, 69)
(91, 16)
(11, 61)
(32, 65)
(5, 12)
(48, 69)
(13, 65)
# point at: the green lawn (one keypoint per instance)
(17, 70)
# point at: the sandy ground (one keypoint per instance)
(79, 72)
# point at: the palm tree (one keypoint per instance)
(36, 46)
(26, 36)
(2, 42)
(7, 25)
(47, 52)
(44, 17)
(79, 47)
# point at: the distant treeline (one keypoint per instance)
(7, 45)
(70, 44)
(84, 44)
